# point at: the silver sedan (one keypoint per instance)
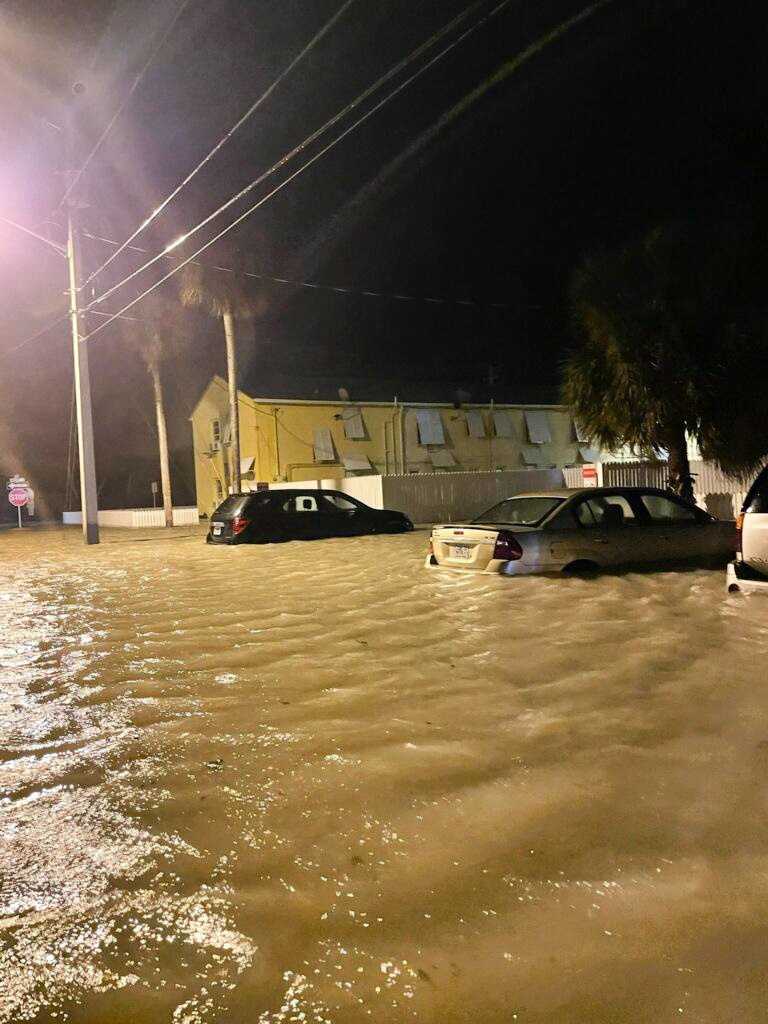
(582, 531)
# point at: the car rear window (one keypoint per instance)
(520, 511)
(235, 504)
(757, 497)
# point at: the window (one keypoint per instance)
(757, 498)
(475, 425)
(537, 422)
(532, 455)
(520, 511)
(322, 446)
(441, 458)
(662, 509)
(215, 433)
(340, 504)
(430, 426)
(581, 434)
(354, 428)
(233, 505)
(358, 463)
(605, 510)
(219, 490)
(502, 426)
(301, 503)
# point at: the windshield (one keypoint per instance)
(233, 505)
(520, 511)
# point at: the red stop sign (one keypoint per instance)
(18, 496)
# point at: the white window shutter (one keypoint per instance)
(430, 426)
(475, 424)
(322, 444)
(537, 421)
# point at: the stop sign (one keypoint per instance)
(18, 496)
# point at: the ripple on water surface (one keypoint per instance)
(321, 783)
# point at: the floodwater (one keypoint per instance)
(320, 783)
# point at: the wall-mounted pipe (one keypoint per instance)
(277, 444)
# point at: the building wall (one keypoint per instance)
(278, 436)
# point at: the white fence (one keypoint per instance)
(137, 517)
(429, 497)
(365, 488)
(719, 493)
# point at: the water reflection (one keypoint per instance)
(319, 783)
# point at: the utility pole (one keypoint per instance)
(88, 493)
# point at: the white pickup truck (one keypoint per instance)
(748, 574)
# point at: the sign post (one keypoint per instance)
(18, 497)
(589, 475)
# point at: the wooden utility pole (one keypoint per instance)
(88, 492)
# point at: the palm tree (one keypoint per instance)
(657, 323)
(224, 294)
(156, 336)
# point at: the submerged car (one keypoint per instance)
(582, 531)
(265, 517)
(748, 573)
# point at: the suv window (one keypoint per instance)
(662, 509)
(757, 497)
(233, 505)
(301, 503)
(339, 503)
(605, 510)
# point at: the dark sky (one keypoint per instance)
(647, 110)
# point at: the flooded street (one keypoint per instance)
(321, 783)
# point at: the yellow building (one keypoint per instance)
(283, 440)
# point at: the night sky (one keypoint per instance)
(644, 111)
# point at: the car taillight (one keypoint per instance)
(739, 531)
(507, 548)
(239, 523)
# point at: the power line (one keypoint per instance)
(156, 49)
(328, 124)
(316, 286)
(227, 136)
(37, 334)
(56, 322)
(41, 238)
(416, 74)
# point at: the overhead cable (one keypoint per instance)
(37, 334)
(41, 238)
(317, 286)
(364, 117)
(328, 124)
(226, 137)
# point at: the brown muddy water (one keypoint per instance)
(320, 783)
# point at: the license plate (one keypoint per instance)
(461, 551)
(217, 528)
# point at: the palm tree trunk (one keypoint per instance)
(162, 444)
(234, 411)
(678, 466)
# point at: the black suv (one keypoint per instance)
(268, 516)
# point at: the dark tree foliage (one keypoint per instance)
(673, 334)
